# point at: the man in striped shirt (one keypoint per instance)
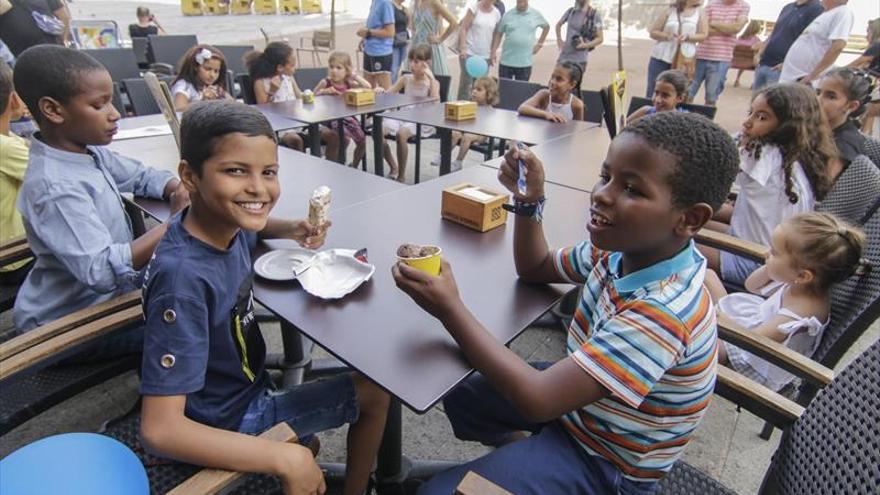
(726, 18)
(616, 414)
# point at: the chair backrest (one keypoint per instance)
(853, 193)
(234, 55)
(139, 45)
(872, 150)
(609, 114)
(308, 78)
(117, 100)
(445, 83)
(121, 63)
(594, 111)
(832, 448)
(708, 112)
(169, 49)
(855, 302)
(140, 97)
(637, 102)
(512, 93)
(247, 88)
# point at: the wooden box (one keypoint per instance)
(474, 206)
(360, 96)
(461, 110)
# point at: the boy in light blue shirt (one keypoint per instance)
(517, 27)
(70, 199)
(378, 43)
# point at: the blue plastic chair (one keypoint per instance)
(73, 463)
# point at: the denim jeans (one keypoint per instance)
(712, 73)
(398, 55)
(549, 461)
(516, 73)
(655, 67)
(765, 76)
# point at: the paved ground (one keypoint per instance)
(726, 445)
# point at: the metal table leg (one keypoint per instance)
(315, 138)
(378, 141)
(418, 151)
(445, 150)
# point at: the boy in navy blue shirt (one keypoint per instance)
(205, 387)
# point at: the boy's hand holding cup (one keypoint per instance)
(438, 295)
(509, 174)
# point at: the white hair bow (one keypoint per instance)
(203, 56)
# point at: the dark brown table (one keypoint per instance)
(573, 161)
(491, 122)
(329, 108)
(298, 173)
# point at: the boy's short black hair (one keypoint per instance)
(708, 159)
(205, 122)
(6, 87)
(51, 71)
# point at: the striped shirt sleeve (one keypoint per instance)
(575, 263)
(631, 351)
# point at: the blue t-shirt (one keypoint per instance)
(381, 14)
(201, 338)
(790, 24)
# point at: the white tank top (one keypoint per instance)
(563, 109)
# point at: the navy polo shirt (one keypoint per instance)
(201, 338)
(790, 24)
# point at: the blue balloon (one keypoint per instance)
(476, 67)
(73, 463)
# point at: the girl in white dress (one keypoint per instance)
(789, 297)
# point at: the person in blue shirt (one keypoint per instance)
(378, 43)
(206, 392)
(70, 199)
(792, 20)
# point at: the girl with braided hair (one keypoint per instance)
(844, 94)
(789, 297)
(787, 160)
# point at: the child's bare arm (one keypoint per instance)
(296, 91)
(577, 108)
(540, 396)
(534, 106)
(323, 89)
(360, 81)
(435, 88)
(181, 101)
(301, 231)
(714, 286)
(167, 431)
(641, 112)
(260, 93)
(757, 280)
(398, 86)
(770, 328)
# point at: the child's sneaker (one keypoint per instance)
(456, 165)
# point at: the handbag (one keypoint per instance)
(688, 65)
(401, 39)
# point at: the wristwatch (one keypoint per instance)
(534, 210)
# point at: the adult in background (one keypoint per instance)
(428, 17)
(583, 33)
(726, 19)
(870, 61)
(517, 28)
(475, 39)
(402, 21)
(19, 28)
(818, 47)
(677, 31)
(377, 39)
(792, 20)
(146, 24)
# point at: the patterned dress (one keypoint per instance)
(350, 125)
(424, 25)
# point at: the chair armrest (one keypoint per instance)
(67, 323)
(474, 484)
(15, 250)
(773, 351)
(40, 353)
(161, 68)
(729, 243)
(757, 399)
(209, 481)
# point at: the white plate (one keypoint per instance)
(279, 264)
(335, 273)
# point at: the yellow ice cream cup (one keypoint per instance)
(428, 264)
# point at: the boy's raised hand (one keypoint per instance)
(508, 174)
(299, 474)
(436, 295)
(308, 235)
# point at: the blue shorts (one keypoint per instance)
(308, 408)
(549, 461)
(736, 269)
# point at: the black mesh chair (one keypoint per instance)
(234, 55)
(637, 102)
(706, 111)
(139, 45)
(309, 78)
(512, 93)
(142, 101)
(872, 150)
(117, 100)
(593, 109)
(832, 448)
(169, 49)
(247, 88)
(121, 63)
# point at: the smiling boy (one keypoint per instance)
(613, 416)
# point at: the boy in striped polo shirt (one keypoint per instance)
(726, 19)
(616, 414)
